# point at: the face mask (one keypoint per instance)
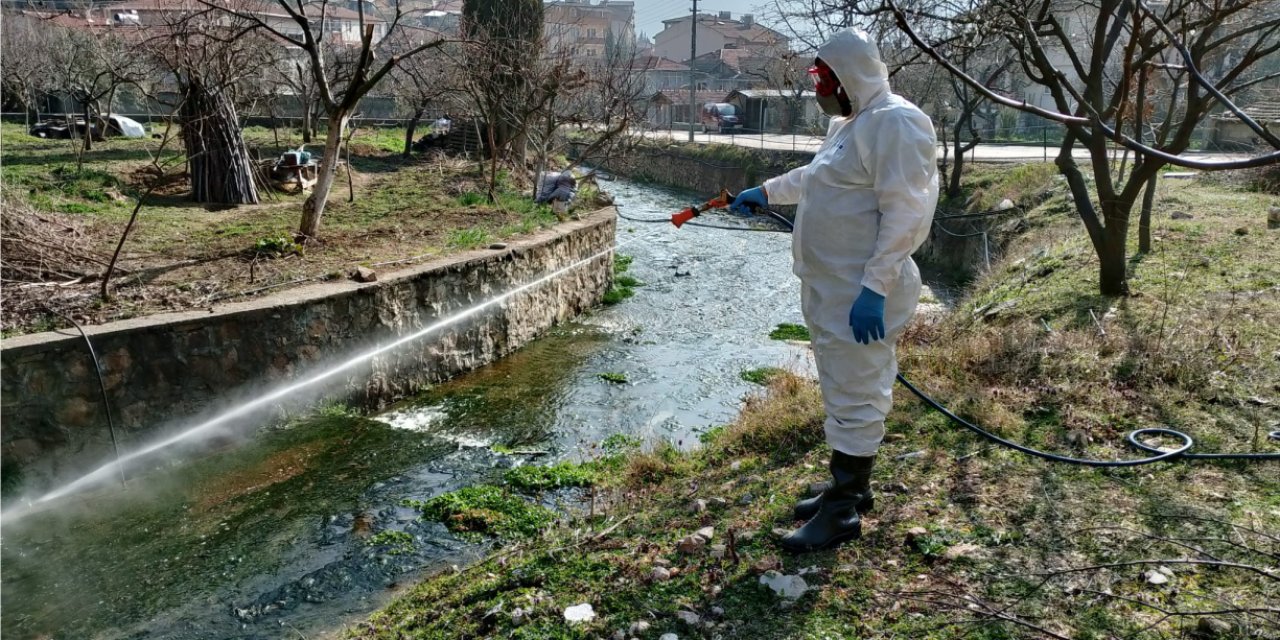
(831, 98)
(830, 105)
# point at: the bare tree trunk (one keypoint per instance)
(218, 158)
(313, 208)
(1144, 219)
(1113, 277)
(106, 277)
(409, 131)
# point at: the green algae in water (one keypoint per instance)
(179, 535)
(485, 509)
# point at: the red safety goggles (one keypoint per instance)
(825, 81)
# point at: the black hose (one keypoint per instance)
(1182, 452)
(102, 387)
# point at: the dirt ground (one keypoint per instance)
(64, 216)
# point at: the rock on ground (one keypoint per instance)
(787, 587)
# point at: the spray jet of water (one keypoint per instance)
(107, 470)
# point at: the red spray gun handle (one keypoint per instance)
(719, 202)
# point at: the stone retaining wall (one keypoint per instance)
(164, 369)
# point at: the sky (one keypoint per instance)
(651, 13)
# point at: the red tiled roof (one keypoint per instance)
(735, 29)
(657, 63)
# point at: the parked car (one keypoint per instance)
(720, 116)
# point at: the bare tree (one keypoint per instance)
(426, 81)
(343, 73)
(602, 96)
(1102, 63)
(26, 71)
(215, 62)
(91, 65)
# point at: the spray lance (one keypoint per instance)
(720, 202)
(1135, 438)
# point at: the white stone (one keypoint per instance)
(1155, 577)
(689, 617)
(660, 574)
(707, 533)
(668, 636)
(639, 627)
(579, 613)
(787, 587)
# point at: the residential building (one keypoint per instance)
(1229, 133)
(444, 16)
(715, 32)
(591, 31)
(340, 23)
(660, 73)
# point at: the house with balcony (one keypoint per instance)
(590, 31)
(716, 32)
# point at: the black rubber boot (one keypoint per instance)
(808, 508)
(837, 519)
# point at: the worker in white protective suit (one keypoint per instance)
(866, 202)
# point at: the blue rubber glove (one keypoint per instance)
(749, 199)
(867, 317)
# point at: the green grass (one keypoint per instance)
(789, 331)
(402, 208)
(468, 238)
(616, 378)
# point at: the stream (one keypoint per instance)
(277, 536)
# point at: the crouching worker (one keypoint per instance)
(865, 205)
(557, 189)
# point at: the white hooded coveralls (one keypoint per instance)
(865, 205)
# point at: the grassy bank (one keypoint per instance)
(967, 540)
(181, 255)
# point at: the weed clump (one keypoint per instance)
(397, 542)
(485, 510)
(623, 286)
(789, 331)
(761, 375)
(784, 422)
(556, 476)
(616, 378)
(276, 247)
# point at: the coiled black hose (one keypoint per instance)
(1182, 452)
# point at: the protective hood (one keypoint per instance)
(855, 59)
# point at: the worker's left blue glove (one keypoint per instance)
(749, 199)
(867, 317)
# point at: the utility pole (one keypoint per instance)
(693, 53)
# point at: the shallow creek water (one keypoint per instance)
(270, 537)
